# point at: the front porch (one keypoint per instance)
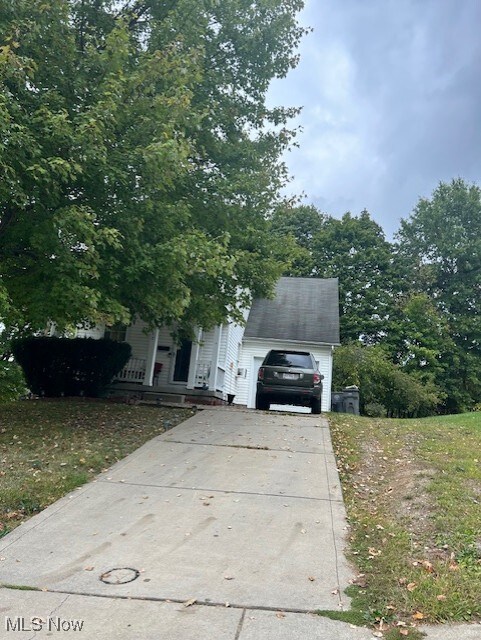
(161, 369)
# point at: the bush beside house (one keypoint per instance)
(384, 388)
(56, 367)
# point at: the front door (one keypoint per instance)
(182, 361)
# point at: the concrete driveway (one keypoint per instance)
(229, 527)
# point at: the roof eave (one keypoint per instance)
(321, 344)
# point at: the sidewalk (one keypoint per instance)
(230, 527)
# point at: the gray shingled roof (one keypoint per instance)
(303, 310)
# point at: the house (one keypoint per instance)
(222, 364)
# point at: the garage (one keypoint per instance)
(303, 316)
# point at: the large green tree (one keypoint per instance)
(296, 228)
(441, 243)
(355, 250)
(138, 158)
(419, 338)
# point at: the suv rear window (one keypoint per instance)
(288, 359)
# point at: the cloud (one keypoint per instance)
(391, 100)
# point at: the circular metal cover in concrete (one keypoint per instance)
(120, 576)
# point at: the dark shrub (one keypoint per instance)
(383, 385)
(70, 367)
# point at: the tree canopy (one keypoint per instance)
(417, 298)
(441, 244)
(139, 160)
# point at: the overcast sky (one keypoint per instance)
(391, 96)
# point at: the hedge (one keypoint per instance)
(56, 367)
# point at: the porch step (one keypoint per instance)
(138, 393)
(167, 397)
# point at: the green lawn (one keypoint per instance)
(413, 494)
(48, 447)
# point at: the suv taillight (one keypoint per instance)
(317, 378)
(260, 375)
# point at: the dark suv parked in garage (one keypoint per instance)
(289, 377)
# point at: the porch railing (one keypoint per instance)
(203, 378)
(202, 375)
(134, 371)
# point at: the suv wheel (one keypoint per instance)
(261, 403)
(316, 406)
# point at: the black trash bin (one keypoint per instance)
(337, 404)
(351, 400)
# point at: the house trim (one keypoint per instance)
(283, 341)
(194, 359)
(151, 357)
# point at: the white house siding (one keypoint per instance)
(229, 352)
(232, 358)
(233, 355)
(224, 337)
(206, 346)
(254, 351)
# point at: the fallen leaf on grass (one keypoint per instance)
(441, 597)
(428, 566)
(418, 615)
(360, 581)
(411, 586)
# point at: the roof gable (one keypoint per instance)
(303, 310)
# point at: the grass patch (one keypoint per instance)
(50, 447)
(413, 495)
(356, 618)
(19, 587)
